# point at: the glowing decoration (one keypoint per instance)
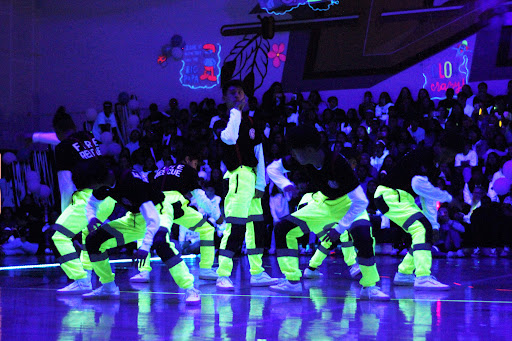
(162, 60)
(502, 186)
(34, 187)
(270, 5)
(173, 50)
(133, 105)
(177, 53)
(91, 114)
(200, 66)
(106, 137)
(32, 176)
(45, 192)
(448, 70)
(507, 169)
(133, 121)
(277, 54)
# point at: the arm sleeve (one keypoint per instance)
(66, 188)
(425, 189)
(457, 160)
(230, 135)
(260, 169)
(468, 197)
(457, 226)
(91, 208)
(358, 205)
(206, 204)
(276, 172)
(429, 209)
(50, 138)
(150, 214)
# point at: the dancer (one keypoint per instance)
(243, 157)
(76, 149)
(338, 203)
(141, 221)
(395, 199)
(176, 182)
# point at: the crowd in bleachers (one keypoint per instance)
(372, 137)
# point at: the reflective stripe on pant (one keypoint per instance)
(318, 216)
(255, 236)
(241, 191)
(191, 219)
(71, 222)
(400, 208)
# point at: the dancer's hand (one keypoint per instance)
(93, 224)
(290, 192)
(139, 257)
(332, 236)
(258, 194)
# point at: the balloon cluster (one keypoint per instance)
(172, 50)
(8, 158)
(502, 185)
(35, 186)
(108, 146)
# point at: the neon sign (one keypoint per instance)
(448, 70)
(200, 66)
(270, 5)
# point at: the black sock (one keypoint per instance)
(293, 282)
(311, 268)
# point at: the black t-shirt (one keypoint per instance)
(78, 147)
(181, 178)
(131, 190)
(335, 179)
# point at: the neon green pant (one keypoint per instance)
(71, 222)
(318, 215)
(125, 230)
(400, 208)
(190, 218)
(242, 211)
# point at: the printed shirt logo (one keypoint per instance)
(252, 134)
(142, 176)
(88, 149)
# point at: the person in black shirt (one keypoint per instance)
(243, 157)
(76, 149)
(338, 201)
(176, 182)
(132, 190)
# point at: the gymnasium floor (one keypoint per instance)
(479, 306)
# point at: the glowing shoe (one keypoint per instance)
(373, 294)
(192, 296)
(285, 287)
(429, 283)
(404, 279)
(105, 292)
(141, 277)
(354, 270)
(263, 280)
(225, 283)
(208, 274)
(312, 274)
(78, 287)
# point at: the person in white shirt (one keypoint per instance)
(380, 154)
(417, 132)
(382, 108)
(468, 157)
(105, 121)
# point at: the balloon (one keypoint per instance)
(507, 169)
(166, 50)
(91, 114)
(32, 176)
(133, 104)
(114, 149)
(177, 41)
(123, 97)
(466, 173)
(177, 53)
(133, 121)
(8, 158)
(502, 186)
(106, 137)
(45, 192)
(202, 175)
(104, 149)
(34, 187)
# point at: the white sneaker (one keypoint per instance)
(429, 283)
(208, 274)
(225, 283)
(105, 292)
(285, 287)
(192, 296)
(312, 274)
(78, 287)
(141, 277)
(354, 270)
(460, 253)
(450, 254)
(404, 279)
(263, 280)
(373, 294)
(476, 252)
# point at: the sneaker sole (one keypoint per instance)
(312, 277)
(209, 278)
(137, 280)
(266, 284)
(193, 302)
(403, 284)
(226, 289)
(431, 288)
(77, 292)
(110, 297)
(289, 292)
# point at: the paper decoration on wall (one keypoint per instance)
(172, 50)
(248, 61)
(448, 69)
(200, 66)
(277, 54)
(272, 6)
